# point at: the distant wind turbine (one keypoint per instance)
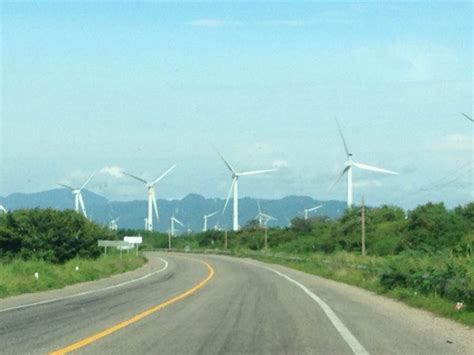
(152, 205)
(174, 220)
(3, 209)
(263, 218)
(307, 210)
(206, 217)
(234, 187)
(113, 224)
(76, 191)
(348, 169)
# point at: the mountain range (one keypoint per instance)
(189, 210)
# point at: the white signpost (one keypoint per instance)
(134, 240)
(114, 244)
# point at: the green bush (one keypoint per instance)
(50, 235)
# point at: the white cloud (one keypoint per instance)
(207, 22)
(114, 171)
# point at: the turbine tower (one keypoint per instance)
(78, 200)
(234, 187)
(307, 210)
(174, 220)
(348, 169)
(206, 217)
(152, 205)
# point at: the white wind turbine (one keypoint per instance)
(206, 217)
(3, 209)
(152, 205)
(307, 210)
(78, 200)
(263, 218)
(348, 169)
(234, 187)
(174, 220)
(113, 224)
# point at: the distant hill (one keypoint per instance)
(189, 210)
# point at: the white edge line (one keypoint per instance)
(88, 292)
(350, 339)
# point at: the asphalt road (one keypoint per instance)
(181, 305)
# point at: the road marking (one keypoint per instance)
(86, 341)
(350, 339)
(88, 292)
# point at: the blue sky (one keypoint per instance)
(140, 86)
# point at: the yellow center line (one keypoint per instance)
(137, 317)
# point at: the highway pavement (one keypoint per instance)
(203, 304)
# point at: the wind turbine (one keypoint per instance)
(174, 220)
(3, 209)
(234, 187)
(151, 196)
(113, 224)
(307, 210)
(263, 218)
(79, 201)
(206, 217)
(348, 169)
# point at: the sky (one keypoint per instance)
(138, 86)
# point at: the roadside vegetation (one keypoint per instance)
(423, 257)
(46, 249)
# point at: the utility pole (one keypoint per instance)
(266, 238)
(169, 240)
(363, 227)
(225, 239)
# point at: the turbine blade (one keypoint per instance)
(87, 181)
(268, 216)
(134, 177)
(255, 172)
(315, 208)
(227, 163)
(259, 208)
(342, 136)
(341, 174)
(176, 220)
(155, 206)
(469, 118)
(373, 168)
(164, 174)
(212, 214)
(67, 186)
(230, 193)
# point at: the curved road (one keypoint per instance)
(192, 304)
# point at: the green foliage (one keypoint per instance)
(17, 275)
(431, 227)
(50, 235)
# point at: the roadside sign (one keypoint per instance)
(133, 239)
(113, 243)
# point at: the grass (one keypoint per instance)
(18, 276)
